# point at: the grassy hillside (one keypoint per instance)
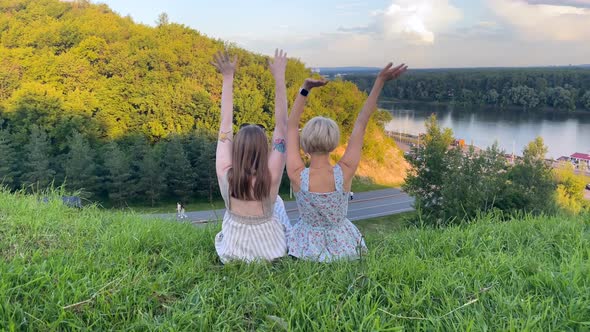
(62, 269)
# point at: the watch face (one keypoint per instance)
(304, 92)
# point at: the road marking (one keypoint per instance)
(382, 205)
(368, 216)
(383, 214)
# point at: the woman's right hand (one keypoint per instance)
(223, 63)
(278, 65)
(390, 73)
(311, 83)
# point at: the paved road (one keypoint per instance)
(365, 205)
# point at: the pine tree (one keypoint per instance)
(80, 166)
(151, 182)
(117, 167)
(137, 147)
(194, 150)
(37, 166)
(9, 169)
(207, 185)
(178, 170)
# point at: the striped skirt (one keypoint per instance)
(253, 238)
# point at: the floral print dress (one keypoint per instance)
(323, 232)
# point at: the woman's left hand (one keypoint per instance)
(311, 83)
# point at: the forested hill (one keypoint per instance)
(61, 61)
(558, 88)
(82, 87)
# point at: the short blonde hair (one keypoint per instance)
(320, 135)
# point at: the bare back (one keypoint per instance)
(245, 208)
(321, 180)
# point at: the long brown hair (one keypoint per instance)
(249, 161)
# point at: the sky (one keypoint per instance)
(420, 33)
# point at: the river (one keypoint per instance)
(563, 133)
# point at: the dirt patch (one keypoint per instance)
(390, 170)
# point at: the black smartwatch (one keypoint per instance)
(304, 92)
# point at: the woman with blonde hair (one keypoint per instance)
(323, 232)
(249, 174)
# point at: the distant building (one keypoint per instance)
(580, 158)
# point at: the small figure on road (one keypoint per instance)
(182, 212)
(178, 208)
(351, 195)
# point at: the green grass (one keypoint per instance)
(63, 269)
(385, 225)
(361, 184)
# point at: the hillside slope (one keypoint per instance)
(63, 269)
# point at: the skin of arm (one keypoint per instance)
(277, 158)
(295, 164)
(352, 156)
(223, 156)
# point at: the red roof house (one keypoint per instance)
(581, 159)
(580, 156)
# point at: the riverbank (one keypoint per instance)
(478, 107)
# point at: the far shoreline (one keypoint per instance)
(472, 108)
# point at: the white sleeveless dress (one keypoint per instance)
(247, 238)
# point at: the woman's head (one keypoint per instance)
(249, 162)
(320, 135)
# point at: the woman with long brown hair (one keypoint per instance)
(249, 173)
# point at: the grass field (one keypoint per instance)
(63, 269)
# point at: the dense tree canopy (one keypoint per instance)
(142, 101)
(528, 89)
(452, 185)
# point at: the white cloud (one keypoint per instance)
(559, 21)
(423, 34)
(573, 3)
(417, 20)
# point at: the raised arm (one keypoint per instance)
(294, 163)
(223, 156)
(352, 156)
(276, 161)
